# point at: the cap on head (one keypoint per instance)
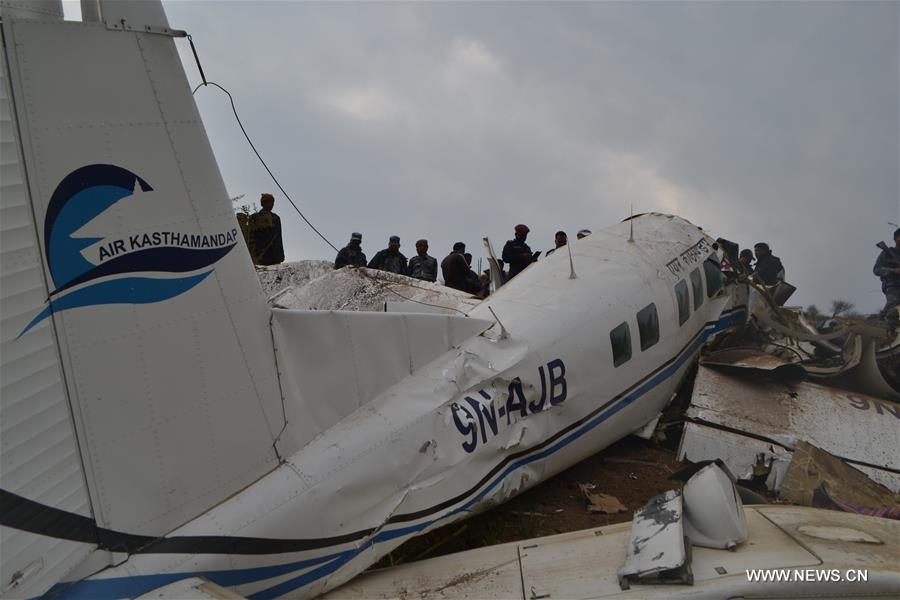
(356, 236)
(762, 245)
(522, 228)
(584, 233)
(394, 239)
(459, 247)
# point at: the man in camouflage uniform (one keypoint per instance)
(422, 266)
(887, 267)
(265, 229)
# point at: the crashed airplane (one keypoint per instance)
(161, 421)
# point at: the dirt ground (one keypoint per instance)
(632, 470)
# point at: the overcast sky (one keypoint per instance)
(775, 122)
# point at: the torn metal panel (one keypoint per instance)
(814, 472)
(736, 418)
(849, 358)
(746, 358)
(657, 551)
(739, 452)
(867, 377)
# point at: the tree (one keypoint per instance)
(812, 312)
(840, 306)
(246, 209)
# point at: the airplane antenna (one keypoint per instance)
(572, 274)
(631, 224)
(503, 333)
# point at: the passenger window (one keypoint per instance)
(684, 303)
(648, 326)
(620, 338)
(697, 286)
(713, 276)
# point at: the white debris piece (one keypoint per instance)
(276, 278)
(315, 285)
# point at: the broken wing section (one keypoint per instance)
(331, 363)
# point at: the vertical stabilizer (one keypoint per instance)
(129, 301)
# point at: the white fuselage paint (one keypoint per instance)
(418, 456)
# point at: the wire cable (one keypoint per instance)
(255, 151)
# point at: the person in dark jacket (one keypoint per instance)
(887, 267)
(265, 228)
(559, 240)
(422, 266)
(746, 259)
(473, 282)
(390, 258)
(455, 270)
(516, 253)
(768, 267)
(351, 254)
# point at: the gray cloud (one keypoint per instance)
(757, 121)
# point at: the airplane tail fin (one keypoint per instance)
(139, 385)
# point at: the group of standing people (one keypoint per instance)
(421, 266)
(456, 267)
(262, 232)
(767, 267)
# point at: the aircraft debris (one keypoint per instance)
(309, 285)
(585, 564)
(817, 478)
(657, 551)
(736, 416)
(601, 503)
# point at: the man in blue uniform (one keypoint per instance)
(351, 254)
(769, 269)
(516, 253)
(390, 258)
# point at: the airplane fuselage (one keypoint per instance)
(477, 425)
